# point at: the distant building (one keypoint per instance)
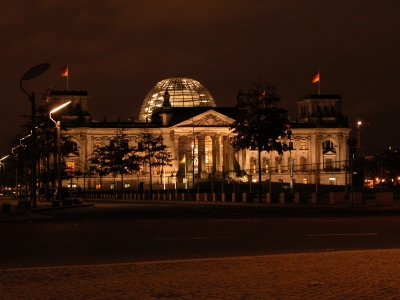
(186, 115)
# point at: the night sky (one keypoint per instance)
(118, 50)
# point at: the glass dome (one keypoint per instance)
(184, 92)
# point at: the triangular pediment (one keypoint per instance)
(329, 152)
(208, 118)
(73, 155)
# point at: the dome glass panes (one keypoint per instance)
(184, 92)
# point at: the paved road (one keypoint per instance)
(335, 275)
(326, 274)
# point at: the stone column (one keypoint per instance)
(243, 159)
(201, 156)
(216, 153)
(225, 154)
(174, 142)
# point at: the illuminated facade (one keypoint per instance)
(198, 135)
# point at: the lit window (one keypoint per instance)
(70, 166)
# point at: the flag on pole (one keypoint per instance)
(183, 159)
(315, 78)
(262, 96)
(64, 71)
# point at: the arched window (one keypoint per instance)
(278, 164)
(265, 164)
(328, 145)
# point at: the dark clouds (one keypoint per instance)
(117, 50)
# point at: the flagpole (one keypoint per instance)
(185, 174)
(319, 83)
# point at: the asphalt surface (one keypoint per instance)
(370, 274)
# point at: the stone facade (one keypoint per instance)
(199, 140)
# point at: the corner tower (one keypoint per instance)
(77, 112)
(321, 110)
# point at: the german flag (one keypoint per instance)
(315, 78)
(64, 71)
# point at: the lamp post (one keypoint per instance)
(25, 166)
(30, 74)
(193, 168)
(58, 149)
(151, 172)
(2, 177)
(193, 165)
(289, 132)
(359, 134)
(16, 169)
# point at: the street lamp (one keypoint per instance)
(16, 169)
(58, 149)
(151, 172)
(289, 133)
(359, 134)
(193, 164)
(30, 74)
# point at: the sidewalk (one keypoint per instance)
(330, 275)
(33, 213)
(281, 210)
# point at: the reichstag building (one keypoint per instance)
(197, 133)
